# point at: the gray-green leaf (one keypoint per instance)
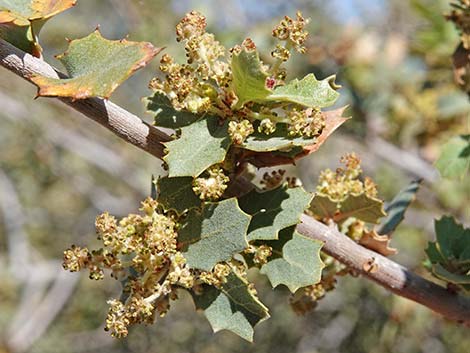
(274, 210)
(177, 194)
(166, 115)
(308, 92)
(296, 261)
(249, 77)
(232, 307)
(215, 234)
(201, 145)
(397, 207)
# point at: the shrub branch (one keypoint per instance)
(372, 265)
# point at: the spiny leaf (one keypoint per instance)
(279, 140)
(202, 144)
(363, 207)
(379, 243)
(233, 307)
(177, 194)
(333, 120)
(450, 254)
(454, 161)
(295, 262)
(21, 20)
(215, 234)
(308, 92)
(249, 77)
(397, 207)
(274, 210)
(166, 115)
(323, 207)
(96, 66)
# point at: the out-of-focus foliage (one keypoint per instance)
(393, 63)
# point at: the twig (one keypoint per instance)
(387, 273)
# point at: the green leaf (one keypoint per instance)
(21, 21)
(323, 206)
(96, 66)
(274, 210)
(249, 78)
(166, 115)
(232, 307)
(295, 262)
(279, 140)
(308, 92)
(201, 145)
(452, 238)
(397, 208)
(454, 161)
(215, 234)
(177, 194)
(450, 254)
(363, 207)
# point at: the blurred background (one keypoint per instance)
(58, 171)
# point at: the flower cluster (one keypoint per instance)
(212, 187)
(293, 33)
(339, 184)
(142, 252)
(204, 84)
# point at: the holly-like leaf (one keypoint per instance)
(166, 115)
(397, 207)
(249, 77)
(450, 254)
(202, 144)
(274, 210)
(363, 207)
(21, 20)
(323, 207)
(233, 307)
(96, 66)
(214, 235)
(333, 120)
(379, 243)
(308, 92)
(454, 161)
(177, 194)
(279, 140)
(295, 262)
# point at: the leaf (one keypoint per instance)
(450, 254)
(397, 207)
(249, 77)
(96, 66)
(166, 115)
(363, 207)
(323, 207)
(202, 144)
(215, 234)
(21, 21)
(232, 307)
(333, 120)
(308, 92)
(274, 210)
(279, 140)
(296, 261)
(454, 161)
(177, 194)
(378, 243)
